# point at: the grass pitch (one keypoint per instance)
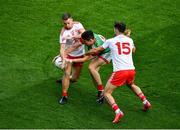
(29, 35)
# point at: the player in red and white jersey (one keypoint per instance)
(69, 36)
(121, 48)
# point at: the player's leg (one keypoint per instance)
(108, 95)
(76, 71)
(65, 83)
(138, 91)
(141, 95)
(94, 67)
(94, 82)
(61, 79)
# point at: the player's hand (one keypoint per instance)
(65, 54)
(63, 64)
(68, 60)
(92, 52)
(75, 38)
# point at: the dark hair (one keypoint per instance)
(120, 26)
(87, 35)
(65, 16)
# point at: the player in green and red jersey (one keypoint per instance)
(92, 40)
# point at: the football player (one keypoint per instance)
(92, 40)
(70, 35)
(121, 48)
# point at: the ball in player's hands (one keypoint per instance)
(58, 62)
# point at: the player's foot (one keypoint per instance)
(73, 81)
(118, 117)
(100, 100)
(100, 94)
(60, 81)
(63, 100)
(147, 105)
(100, 97)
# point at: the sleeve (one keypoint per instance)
(102, 38)
(106, 44)
(80, 26)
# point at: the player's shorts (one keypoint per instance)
(80, 64)
(122, 77)
(106, 57)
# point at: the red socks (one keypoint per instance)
(142, 97)
(100, 87)
(64, 94)
(116, 108)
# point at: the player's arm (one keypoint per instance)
(73, 47)
(80, 30)
(95, 51)
(99, 49)
(79, 35)
(62, 51)
(62, 41)
(134, 49)
(84, 59)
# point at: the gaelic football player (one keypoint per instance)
(70, 34)
(121, 48)
(92, 40)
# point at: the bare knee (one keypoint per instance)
(67, 75)
(107, 92)
(91, 68)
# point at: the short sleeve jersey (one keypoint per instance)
(99, 41)
(121, 52)
(65, 38)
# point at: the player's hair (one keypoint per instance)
(87, 35)
(66, 16)
(120, 26)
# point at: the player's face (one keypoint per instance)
(68, 24)
(89, 42)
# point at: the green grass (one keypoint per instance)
(29, 35)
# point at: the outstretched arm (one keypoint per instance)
(95, 51)
(84, 59)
